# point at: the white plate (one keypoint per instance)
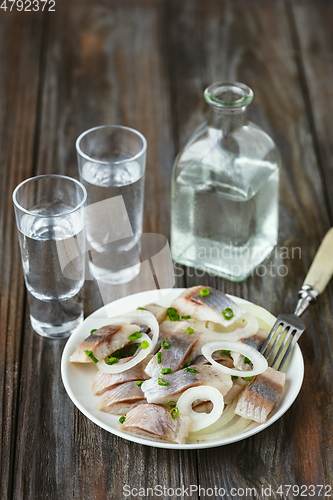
(77, 377)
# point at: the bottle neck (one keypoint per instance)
(226, 119)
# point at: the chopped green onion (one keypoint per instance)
(189, 330)
(145, 344)
(247, 361)
(166, 344)
(112, 360)
(170, 402)
(90, 354)
(122, 420)
(186, 317)
(140, 309)
(159, 358)
(166, 371)
(172, 313)
(191, 370)
(93, 330)
(174, 412)
(225, 353)
(139, 383)
(135, 336)
(161, 381)
(228, 314)
(188, 364)
(233, 377)
(204, 292)
(249, 379)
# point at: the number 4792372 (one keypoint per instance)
(28, 5)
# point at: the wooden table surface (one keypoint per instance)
(145, 64)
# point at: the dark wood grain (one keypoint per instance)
(20, 38)
(314, 49)
(145, 64)
(97, 59)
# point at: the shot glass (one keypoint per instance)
(112, 161)
(50, 221)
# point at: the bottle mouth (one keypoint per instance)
(229, 95)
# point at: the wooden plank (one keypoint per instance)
(20, 36)
(105, 63)
(252, 42)
(314, 53)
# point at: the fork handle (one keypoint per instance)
(321, 269)
(319, 274)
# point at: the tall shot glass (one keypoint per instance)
(50, 221)
(112, 161)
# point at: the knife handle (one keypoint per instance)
(321, 269)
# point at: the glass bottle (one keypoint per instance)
(225, 189)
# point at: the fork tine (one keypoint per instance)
(282, 346)
(290, 348)
(277, 334)
(271, 335)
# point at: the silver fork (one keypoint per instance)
(289, 327)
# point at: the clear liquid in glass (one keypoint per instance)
(114, 232)
(52, 250)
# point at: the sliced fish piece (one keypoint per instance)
(121, 398)
(181, 380)
(168, 328)
(218, 357)
(104, 342)
(182, 350)
(159, 312)
(103, 382)
(207, 308)
(257, 340)
(185, 347)
(155, 422)
(260, 397)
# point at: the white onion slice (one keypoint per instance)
(116, 368)
(136, 317)
(236, 427)
(201, 393)
(259, 362)
(227, 415)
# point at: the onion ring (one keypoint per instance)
(259, 362)
(203, 393)
(137, 317)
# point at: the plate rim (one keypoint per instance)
(68, 349)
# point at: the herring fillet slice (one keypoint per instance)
(182, 351)
(159, 312)
(104, 381)
(152, 421)
(207, 308)
(257, 340)
(120, 399)
(182, 380)
(260, 397)
(104, 342)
